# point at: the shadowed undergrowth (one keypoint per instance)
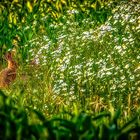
(16, 123)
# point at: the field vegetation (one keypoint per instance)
(78, 70)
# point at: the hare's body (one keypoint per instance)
(6, 77)
(8, 74)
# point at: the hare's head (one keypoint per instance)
(9, 58)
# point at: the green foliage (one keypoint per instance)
(80, 57)
(16, 124)
(21, 20)
(88, 64)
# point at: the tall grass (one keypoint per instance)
(87, 65)
(78, 64)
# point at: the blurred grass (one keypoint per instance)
(16, 123)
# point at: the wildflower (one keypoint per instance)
(126, 66)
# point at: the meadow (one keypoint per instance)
(78, 77)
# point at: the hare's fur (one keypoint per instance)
(8, 75)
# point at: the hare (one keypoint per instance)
(8, 75)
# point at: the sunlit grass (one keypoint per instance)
(83, 64)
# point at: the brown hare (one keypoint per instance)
(8, 75)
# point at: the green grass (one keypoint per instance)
(16, 123)
(81, 66)
(91, 66)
